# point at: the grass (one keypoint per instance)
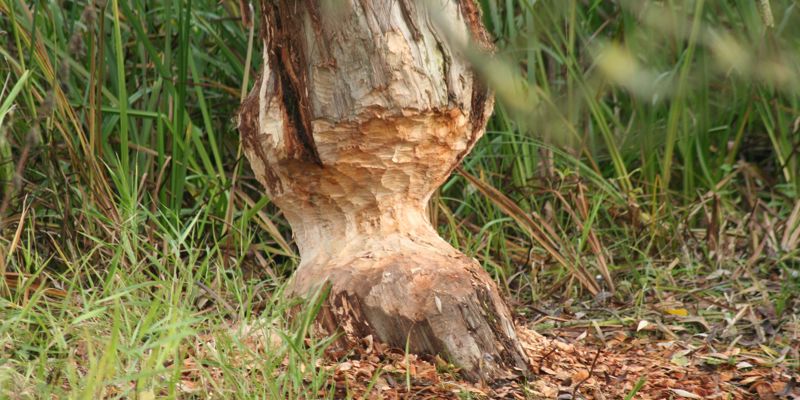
(643, 156)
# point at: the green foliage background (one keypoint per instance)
(637, 148)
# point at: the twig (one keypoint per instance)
(216, 297)
(541, 362)
(591, 371)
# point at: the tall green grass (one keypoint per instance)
(644, 113)
(628, 135)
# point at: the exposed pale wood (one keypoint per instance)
(361, 112)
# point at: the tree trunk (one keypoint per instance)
(362, 110)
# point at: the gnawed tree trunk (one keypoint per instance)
(363, 109)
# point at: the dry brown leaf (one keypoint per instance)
(580, 376)
(764, 391)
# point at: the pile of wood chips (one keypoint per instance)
(563, 367)
(563, 371)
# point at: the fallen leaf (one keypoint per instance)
(642, 324)
(765, 391)
(787, 387)
(680, 360)
(744, 365)
(147, 395)
(580, 376)
(345, 366)
(685, 394)
(750, 379)
(681, 312)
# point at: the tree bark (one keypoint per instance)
(363, 108)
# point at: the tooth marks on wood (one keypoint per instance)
(251, 135)
(379, 96)
(463, 320)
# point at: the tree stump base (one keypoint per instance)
(430, 302)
